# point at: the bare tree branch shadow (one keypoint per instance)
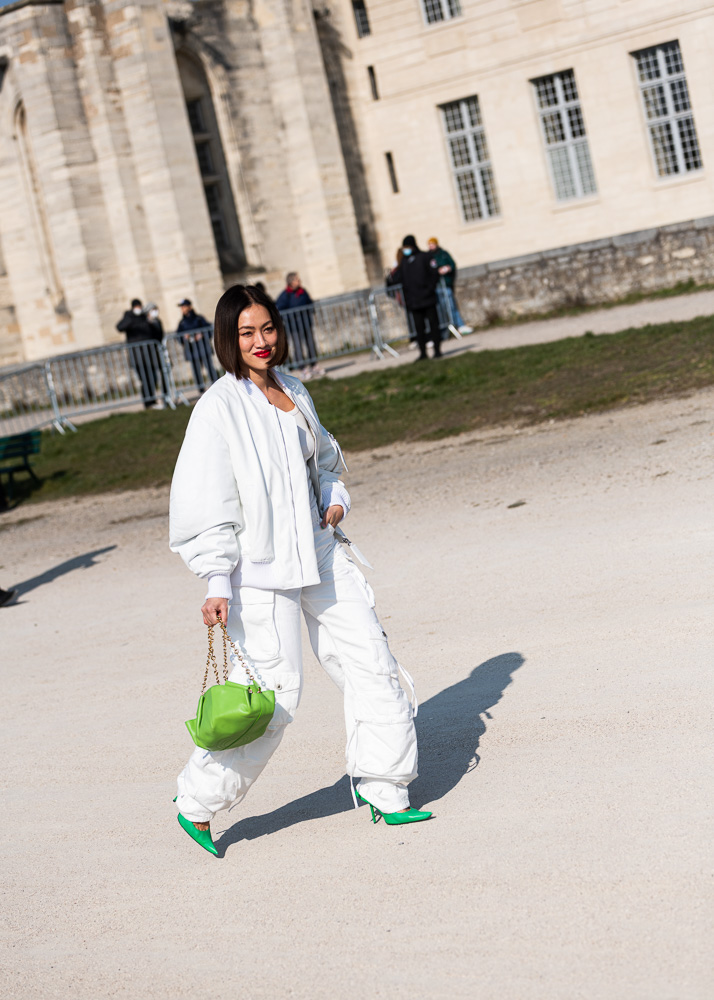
(61, 569)
(450, 727)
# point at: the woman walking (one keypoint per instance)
(255, 501)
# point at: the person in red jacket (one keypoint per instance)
(298, 312)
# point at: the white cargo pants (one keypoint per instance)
(351, 645)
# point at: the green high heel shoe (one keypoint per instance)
(395, 819)
(202, 837)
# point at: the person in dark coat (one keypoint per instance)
(135, 325)
(298, 325)
(197, 346)
(418, 275)
(151, 311)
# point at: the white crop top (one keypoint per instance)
(307, 439)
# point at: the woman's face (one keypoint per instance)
(257, 339)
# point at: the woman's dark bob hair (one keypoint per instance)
(225, 326)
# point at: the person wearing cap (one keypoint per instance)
(446, 266)
(418, 275)
(135, 325)
(196, 341)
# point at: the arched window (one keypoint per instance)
(212, 164)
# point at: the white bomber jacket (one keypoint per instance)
(240, 500)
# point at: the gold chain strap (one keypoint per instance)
(211, 658)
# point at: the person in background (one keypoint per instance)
(298, 326)
(418, 276)
(151, 311)
(6, 596)
(135, 325)
(197, 345)
(446, 267)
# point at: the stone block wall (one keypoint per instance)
(588, 273)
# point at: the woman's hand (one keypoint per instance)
(333, 515)
(214, 607)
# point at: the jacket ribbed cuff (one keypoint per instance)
(335, 493)
(219, 585)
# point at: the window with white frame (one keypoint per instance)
(668, 111)
(440, 10)
(470, 162)
(563, 127)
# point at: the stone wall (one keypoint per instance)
(588, 273)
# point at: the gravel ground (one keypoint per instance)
(551, 591)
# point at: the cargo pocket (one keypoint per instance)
(251, 624)
(385, 662)
(287, 686)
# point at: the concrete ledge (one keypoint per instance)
(630, 239)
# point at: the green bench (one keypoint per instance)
(15, 454)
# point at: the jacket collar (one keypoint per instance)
(294, 392)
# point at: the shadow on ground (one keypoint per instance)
(61, 569)
(449, 726)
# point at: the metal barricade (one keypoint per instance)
(192, 360)
(69, 386)
(330, 328)
(25, 400)
(109, 378)
(445, 311)
(394, 322)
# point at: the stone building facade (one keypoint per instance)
(511, 127)
(162, 149)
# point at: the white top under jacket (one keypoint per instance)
(240, 499)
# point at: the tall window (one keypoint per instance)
(566, 143)
(212, 165)
(665, 98)
(470, 163)
(392, 173)
(211, 180)
(440, 10)
(361, 18)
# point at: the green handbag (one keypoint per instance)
(229, 715)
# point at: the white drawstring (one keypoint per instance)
(351, 767)
(410, 682)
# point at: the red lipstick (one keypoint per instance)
(262, 354)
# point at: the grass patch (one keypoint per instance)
(124, 451)
(522, 385)
(426, 401)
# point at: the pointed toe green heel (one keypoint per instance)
(395, 819)
(202, 837)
